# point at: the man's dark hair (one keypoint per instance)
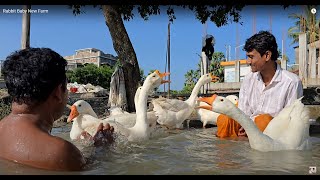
(32, 74)
(262, 42)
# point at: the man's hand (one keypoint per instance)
(242, 132)
(85, 135)
(104, 135)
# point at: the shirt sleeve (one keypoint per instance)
(295, 91)
(243, 98)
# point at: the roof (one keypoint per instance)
(232, 63)
(88, 49)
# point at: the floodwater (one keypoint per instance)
(190, 151)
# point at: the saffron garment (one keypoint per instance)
(228, 127)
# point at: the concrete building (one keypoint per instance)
(296, 51)
(234, 72)
(90, 55)
(230, 70)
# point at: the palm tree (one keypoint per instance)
(311, 25)
(191, 77)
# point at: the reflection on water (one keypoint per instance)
(193, 151)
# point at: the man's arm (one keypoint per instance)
(244, 98)
(295, 91)
(244, 102)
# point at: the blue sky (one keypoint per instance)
(60, 30)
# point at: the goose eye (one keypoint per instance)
(154, 76)
(79, 105)
(221, 99)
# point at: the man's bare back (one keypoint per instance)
(36, 80)
(23, 142)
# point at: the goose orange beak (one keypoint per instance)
(237, 103)
(73, 113)
(162, 75)
(208, 100)
(165, 81)
(214, 78)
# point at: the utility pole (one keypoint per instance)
(236, 53)
(25, 38)
(169, 59)
(254, 20)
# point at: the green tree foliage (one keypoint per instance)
(215, 66)
(192, 76)
(5, 109)
(305, 18)
(93, 74)
(142, 76)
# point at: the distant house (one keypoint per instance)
(90, 55)
(230, 69)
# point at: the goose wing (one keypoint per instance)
(171, 104)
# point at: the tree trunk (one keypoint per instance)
(125, 51)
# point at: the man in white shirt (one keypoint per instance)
(267, 89)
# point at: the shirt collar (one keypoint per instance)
(277, 76)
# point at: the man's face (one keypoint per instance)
(256, 61)
(64, 99)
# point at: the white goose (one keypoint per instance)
(211, 117)
(129, 119)
(140, 131)
(117, 115)
(172, 112)
(294, 137)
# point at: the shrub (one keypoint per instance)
(91, 73)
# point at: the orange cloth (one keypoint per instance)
(228, 127)
(262, 121)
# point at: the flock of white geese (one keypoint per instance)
(289, 130)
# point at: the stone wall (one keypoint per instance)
(99, 104)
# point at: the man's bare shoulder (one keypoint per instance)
(66, 155)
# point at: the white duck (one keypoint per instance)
(211, 117)
(294, 137)
(172, 112)
(140, 131)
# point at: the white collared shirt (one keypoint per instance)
(255, 98)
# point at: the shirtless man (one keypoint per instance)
(36, 81)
